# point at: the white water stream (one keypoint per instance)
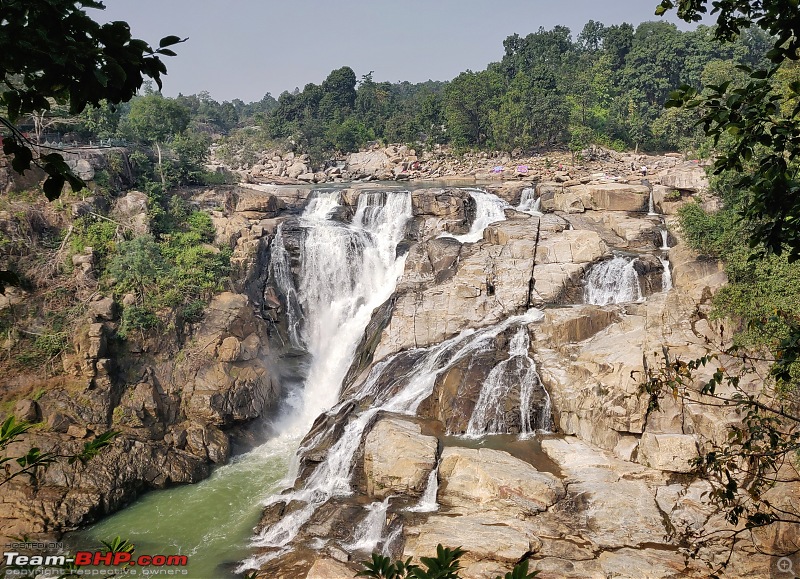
(489, 208)
(666, 277)
(529, 203)
(428, 502)
(651, 206)
(518, 371)
(370, 531)
(613, 281)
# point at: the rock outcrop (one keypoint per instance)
(611, 493)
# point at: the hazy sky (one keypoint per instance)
(246, 48)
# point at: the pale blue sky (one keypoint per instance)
(246, 48)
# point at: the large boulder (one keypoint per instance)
(493, 479)
(228, 380)
(619, 503)
(483, 538)
(441, 210)
(398, 458)
(131, 211)
(690, 177)
(259, 203)
(670, 452)
(368, 164)
(614, 196)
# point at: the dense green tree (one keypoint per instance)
(192, 150)
(591, 37)
(154, 120)
(54, 50)
(468, 101)
(532, 113)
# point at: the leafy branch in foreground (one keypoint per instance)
(761, 447)
(446, 565)
(34, 459)
(54, 50)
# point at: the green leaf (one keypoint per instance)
(53, 186)
(170, 40)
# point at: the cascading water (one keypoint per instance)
(346, 271)
(489, 209)
(404, 392)
(281, 272)
(518, 371)
(427, 502)
(651, 206)
(666, 276)
(369, 533)
(529, 202)
(614, 281)
(664, 240)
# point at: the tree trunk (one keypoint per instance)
(161, 169)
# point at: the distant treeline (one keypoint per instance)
(607, 86)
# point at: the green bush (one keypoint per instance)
(180, 270)
(51, 345)
(136, 318)
(99, 234)
(711, 234)
(759, 286)
(446, 565)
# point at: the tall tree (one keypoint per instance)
(154, 120)
(468, 101)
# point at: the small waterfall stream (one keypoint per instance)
(369, 532)
(614, 281)
(518, 371)
(489, 208)
(666, 277)
(664, 240)
(427, 502)
(529, 202)
(651, 206)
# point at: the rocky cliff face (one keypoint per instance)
(607, 493)
(178, 399)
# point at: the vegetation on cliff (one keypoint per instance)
(752, 120)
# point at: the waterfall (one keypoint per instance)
(405, 391)
(664, 240)
(529, 202)
(370, 532)
(394, 536)
(489, 209)
(666, 277)
(427, 503)
(346, 271)
(613, 281)
(651, 206)
(281, 272)
(519, 370)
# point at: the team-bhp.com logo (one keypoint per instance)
(123, 561)
(97, 558)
